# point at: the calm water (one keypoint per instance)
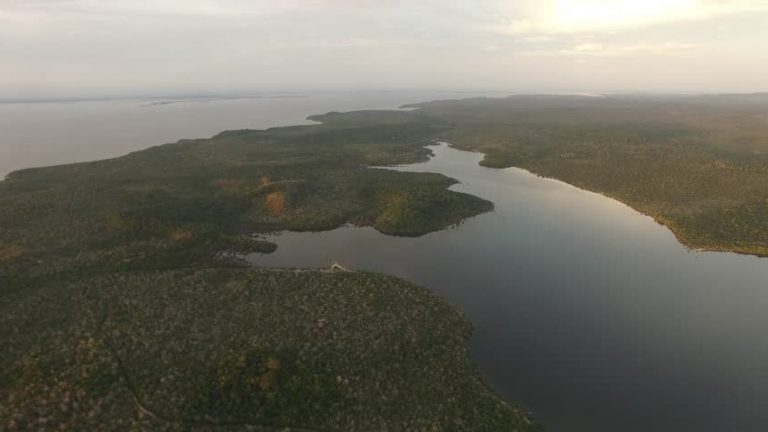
(586, 312)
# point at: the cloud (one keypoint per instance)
(161, 45)
(209, 8)
(592, 49)
(595, 49)
(575, 16)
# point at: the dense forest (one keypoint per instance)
(239, 349)
(697, 164)
(125, 304)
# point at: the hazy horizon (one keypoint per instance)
(85, 48)
(282, 94)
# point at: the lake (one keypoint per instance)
(586, 312)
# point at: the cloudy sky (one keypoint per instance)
(108, 47)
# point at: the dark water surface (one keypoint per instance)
(586, 312)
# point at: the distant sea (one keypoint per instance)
(43, 133)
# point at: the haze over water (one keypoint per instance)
(50, 133)
(587, 313)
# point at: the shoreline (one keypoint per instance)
(660, 220)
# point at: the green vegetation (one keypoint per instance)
(696, 164)
(204, 349)
(123, 305)
(185, 204)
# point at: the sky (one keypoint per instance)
(66, 48)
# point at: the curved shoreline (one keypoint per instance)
(660, 220)
(690, 245)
